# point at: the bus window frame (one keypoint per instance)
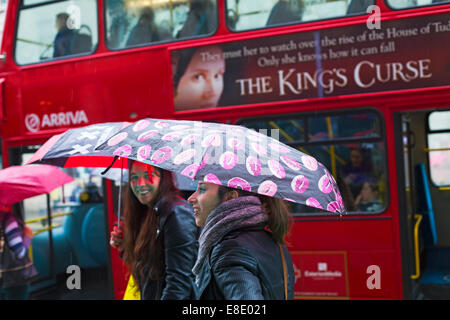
(430, 131)
(156, 43)
(300, 22)
(388, 5)
(340, 141)
(21, 7)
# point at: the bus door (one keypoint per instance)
(70, 235)
(423, 141)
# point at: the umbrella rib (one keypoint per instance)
(107, 169)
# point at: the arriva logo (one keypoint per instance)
(33, 123)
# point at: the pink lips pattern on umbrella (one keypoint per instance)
(268, 167)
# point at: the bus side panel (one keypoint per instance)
(98, 89)
(355, 257)
(371, 274)
(359, 234)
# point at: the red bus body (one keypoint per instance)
(131, 84)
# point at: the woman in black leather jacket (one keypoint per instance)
(160, 237)
(241, 247)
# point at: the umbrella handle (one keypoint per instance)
(120, 189)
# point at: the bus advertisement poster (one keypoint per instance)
(320, 275)
(402, 54)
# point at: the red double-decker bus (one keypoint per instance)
(363, 86)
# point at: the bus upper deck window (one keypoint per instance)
(50, 29)
(243, 15)
(136, 23)
(3, 5)
(403, 4)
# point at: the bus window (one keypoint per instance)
(243, 15)
(403, 4)
(3, 5)
(354, 154)
(134, 23)
(287, 130)
(55, 29)
(343, 126)
(439, 145)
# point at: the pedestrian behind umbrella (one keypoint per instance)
(15, 239)
(242, 253)
(158, 241)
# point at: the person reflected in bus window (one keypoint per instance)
(201, 19)
(64, 36)
(198, 78)
(368, 199)
(241, 245)
(346, 193)
(145, 31)
(158, 241)
(119, 23)
(285, 11)
(359, 6)
(357, 171)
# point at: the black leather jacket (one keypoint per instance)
(179, 234)
(245, 265)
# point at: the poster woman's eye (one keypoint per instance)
(198, 77)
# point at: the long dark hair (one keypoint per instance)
(180, 62)
(143, 251)
(279, 216)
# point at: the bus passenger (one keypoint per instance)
(159, 239)
(285, 11)
(64, 36)
(145, 31)
(368, 199)
(359, 6)
(198, 78)
(201, 19)
(241, 246)
(119, 23)
(346, 193)
(357, 171)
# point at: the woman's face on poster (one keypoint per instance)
(201, 85)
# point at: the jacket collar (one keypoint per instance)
(163, 210)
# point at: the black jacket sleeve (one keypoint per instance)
(235, 271)
(180, 251)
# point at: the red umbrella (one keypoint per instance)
(21, 182)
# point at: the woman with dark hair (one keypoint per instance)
(160, 236)
(357, 171)
(242, 252)
(198, 78)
